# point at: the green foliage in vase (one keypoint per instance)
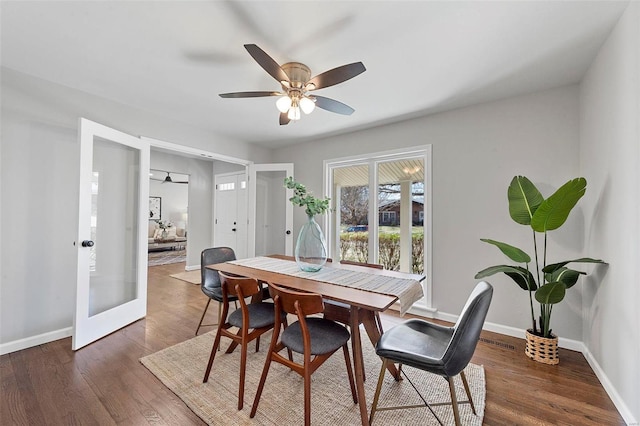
(301, 197)
(547, 283)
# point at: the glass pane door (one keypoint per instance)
(351, 212)
(112, 232)
(400, 196)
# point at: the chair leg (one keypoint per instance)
(263, 378)
(214, 349)
(454, 400)
(203, 314)
(376, 396)
(468, 391)
(307, 396)
(243, 369)
(347, 359)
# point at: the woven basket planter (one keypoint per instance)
(542, 349)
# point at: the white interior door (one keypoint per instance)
(112, 232)
(230, 222)
(270, 212)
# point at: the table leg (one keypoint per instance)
(359, 367)
(368, 319)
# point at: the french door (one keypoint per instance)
(111, 288)
(380, 209)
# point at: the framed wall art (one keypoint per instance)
(155, 208)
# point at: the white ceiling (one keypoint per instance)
(173, 58)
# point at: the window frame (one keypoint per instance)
(372, 160)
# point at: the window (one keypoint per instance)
(381, 210)
(387, 217)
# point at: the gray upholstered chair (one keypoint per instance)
(438, 349)
(252, 321)
(210, 279)
(315, 338)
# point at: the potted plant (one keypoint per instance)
(311, 246)
(544, 281)
(164, 224)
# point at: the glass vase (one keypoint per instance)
(311, 247)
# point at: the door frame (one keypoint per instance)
(252, 170)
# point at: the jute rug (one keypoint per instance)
(192, 277)
(181, 368)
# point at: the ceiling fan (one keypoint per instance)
(168, 179)
(296, 82)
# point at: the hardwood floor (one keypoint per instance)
(104, 383)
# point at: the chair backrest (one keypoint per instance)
(467, 329)
(368, 265)
(297, 303)
(240, 287)
(209, 278)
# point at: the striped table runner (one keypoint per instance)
(408, 291)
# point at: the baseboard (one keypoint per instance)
(40, 339)
(191, 267)
(623, 409)
(565, 343)
(570, 344)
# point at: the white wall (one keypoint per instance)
(476, 152)
(39, 190)
(610, 158)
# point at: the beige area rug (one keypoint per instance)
(192, 277)
(167, 257)
(181, 368)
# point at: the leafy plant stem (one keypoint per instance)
(535, 252)
(533, 317)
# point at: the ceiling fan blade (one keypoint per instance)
(249, 94)
(284, 118)
(266, 62)
(336, 75)
(333, 105)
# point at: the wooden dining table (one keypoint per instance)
(364, 305)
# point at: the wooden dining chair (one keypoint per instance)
(257, 317)
(314, 337)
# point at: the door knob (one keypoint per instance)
(288, 232)
(87, 243)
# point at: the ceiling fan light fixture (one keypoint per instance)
(283, 104)
(294, 113)
(307, 105)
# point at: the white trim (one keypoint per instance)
(372, 160)
(617, 400)
(40, 339)
(574, 345)
(170, 146)
(192, 267)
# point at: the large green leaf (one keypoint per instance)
(524, 199)
(519, 275)
(513, 253)
(554, 211)
(566, 276)
(554, 266)
(551, 293)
